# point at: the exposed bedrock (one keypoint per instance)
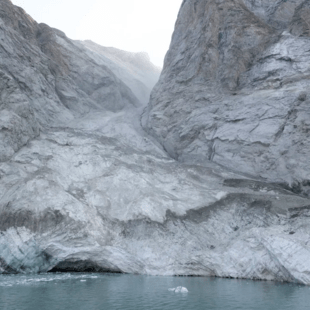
(235, 88)
(46, 79)
(84, 188)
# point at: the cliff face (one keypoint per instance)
(47, 79)
(83, 187)
(235, 88)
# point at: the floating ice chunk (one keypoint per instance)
(83, 280)
(179, 289)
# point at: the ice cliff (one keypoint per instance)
(207, 189)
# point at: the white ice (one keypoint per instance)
(179, 289)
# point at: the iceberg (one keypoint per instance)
(179, 289)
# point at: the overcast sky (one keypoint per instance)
(132, 25)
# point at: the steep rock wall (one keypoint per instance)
(235, 88)
(93, 191)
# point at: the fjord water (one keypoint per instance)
(115, 291)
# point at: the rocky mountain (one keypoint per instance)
(84, 188)
(235, 89)
(48, 79)
(135, 69)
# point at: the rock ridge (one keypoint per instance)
(135, 69)
(47, 80)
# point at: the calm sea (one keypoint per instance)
(72, 291)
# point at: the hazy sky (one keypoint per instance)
(132, 25)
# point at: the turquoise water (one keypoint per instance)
(133, 292)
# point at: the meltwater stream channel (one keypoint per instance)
(74, 291)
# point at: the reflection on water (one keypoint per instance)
(109, 291)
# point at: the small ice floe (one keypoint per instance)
(83, 280)
(179, 289)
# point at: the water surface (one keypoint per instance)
(132, 292)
